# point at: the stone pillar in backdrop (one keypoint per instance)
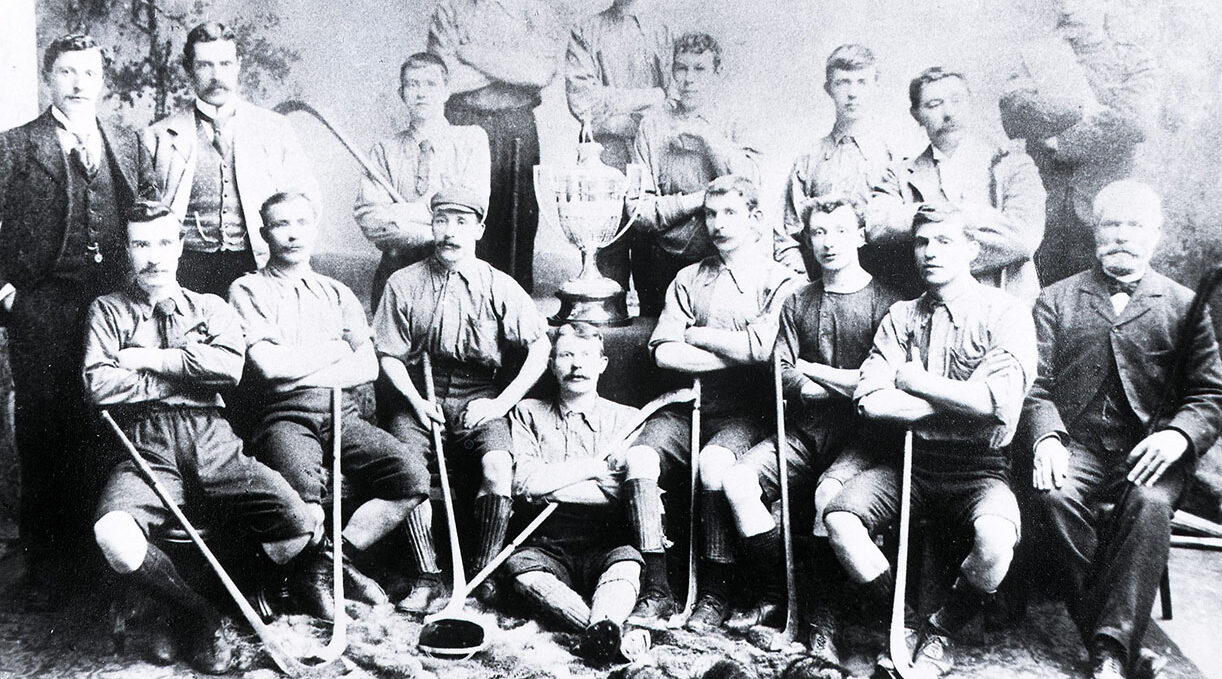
(18, 104)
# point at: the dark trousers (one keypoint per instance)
(499, 247)
(55, 443)
(1112, 562)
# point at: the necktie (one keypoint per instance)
(167, 323)
(82, 158)
(220, 140)
(1115, 287)
(423, 167)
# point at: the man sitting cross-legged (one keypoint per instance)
(719, 323)
(561, 448)
(826, 331)
(464, 316)
(306, 334)
(953, 364)
(155, 356)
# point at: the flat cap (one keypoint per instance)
(462, 198)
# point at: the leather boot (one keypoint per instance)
(309, 583)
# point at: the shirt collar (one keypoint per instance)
(588, 416)
(84, 131)
(466, 270)
(713, 266)
(957, 307)
(216, 112)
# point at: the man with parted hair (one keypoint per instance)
(66, 180)
(562, 448)
(215, 163)
(156, 355)
(954, 366)
(996, 189)
(685, 145)
(848, 162)
(719, 324)
(431, 154)
(306, 334)
(826, 330)
(1099, 433)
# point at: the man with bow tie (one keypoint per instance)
(1107, 347)
(65, 182)
(215, 163)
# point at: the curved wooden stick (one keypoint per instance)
(900, 657)
(790, 634)
(681, 618)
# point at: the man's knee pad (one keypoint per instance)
(714, 462)
(642, 462)
(825, 492)
(121, 540)
(841, 524)
(995, 538)
(628, 572)
(497, 465)
(741, 485)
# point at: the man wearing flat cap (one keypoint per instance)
(464, 315)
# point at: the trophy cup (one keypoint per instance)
(586, 201)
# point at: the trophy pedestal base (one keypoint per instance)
(603, 307)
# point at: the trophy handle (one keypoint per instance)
(545, 196)
(634, 192)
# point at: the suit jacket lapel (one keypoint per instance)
(44, 138)
(1096, 292)
(120, 156)
(923, 177)
(1141, 301)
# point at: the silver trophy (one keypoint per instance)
(586, 201)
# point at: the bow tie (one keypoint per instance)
(1115, 287)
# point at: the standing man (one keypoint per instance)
(500, 54)
(562, 450)
(65, 184)
(954, 365)
(719, 324)
(155, 356)
(826, 331)
(1107, 340)
(998, 192)
(215, 163)
(305, 335)
(431, 154)
(847, 163)
(616, 71)
(464, 316)
(1116, 109)
(684, 146)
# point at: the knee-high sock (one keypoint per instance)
(645, 517)
(715, 524)
(616, 593)
(158, 576)
(492, 512)
(555, 597)
(419, 527)
(767, 553)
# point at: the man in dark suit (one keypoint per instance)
(1107, 346)
(64, 186)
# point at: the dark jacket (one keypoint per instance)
(34, 200)
(1078, 335)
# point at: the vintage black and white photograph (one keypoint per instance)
(626, 339)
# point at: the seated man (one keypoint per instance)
(1101, 433)
(997, 190)
(561, 449)
(429, 155)
(463, 315)
(954, 365)
(305, 334)
(719, 324)
(683, 146)
(826, 331)
(155, 356)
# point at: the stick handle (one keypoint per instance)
(283, 660)
(898, 648)
(509, 549)
(514, 206)
(430, 393)
(339, 634)
(782, 447)
(690, 602)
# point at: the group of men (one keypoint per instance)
(898, 297)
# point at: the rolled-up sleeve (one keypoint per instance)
(521, 322)
(1008, 369)
(390, 326)
(677, 314)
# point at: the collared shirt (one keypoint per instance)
(544, 433)
(839, 164)
(297, 310)
(675, 167)
(224, 114)
(710, 294)
(510, 27)
(418, 166)
(982, 335)
(611, 56)
(835, 329)
(71, 135)
(208, 355)
(468, 315)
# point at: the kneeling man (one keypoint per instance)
(1102, 434)
(562, 450)
(954, 365)
(307, 334)
(155, 356)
